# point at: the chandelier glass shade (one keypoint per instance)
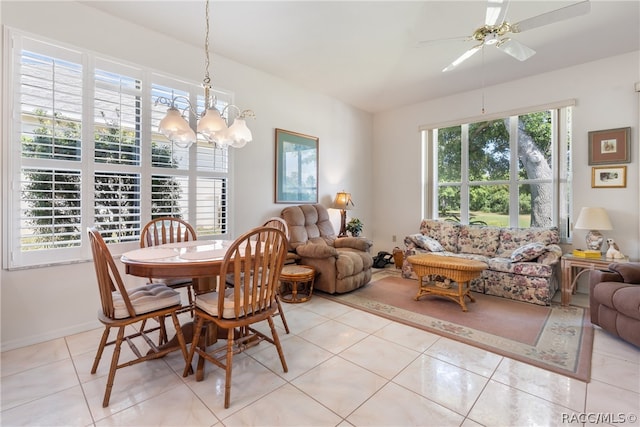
(212, 126)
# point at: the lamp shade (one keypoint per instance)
(593, 219)
(240, 133)
(211, 123)
(342, 201)
(176, 128)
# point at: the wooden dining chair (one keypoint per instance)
(167, 229)
(280, 224)
(255, 259)
(123, 307)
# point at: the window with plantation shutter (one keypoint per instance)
(85, 151)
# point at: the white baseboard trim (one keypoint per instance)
(51, 335)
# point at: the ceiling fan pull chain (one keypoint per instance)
(482, 73)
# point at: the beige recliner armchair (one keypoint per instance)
(343, 263)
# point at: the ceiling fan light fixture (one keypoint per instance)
(491, 38)
(496, 27)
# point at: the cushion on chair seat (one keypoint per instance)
(176, 282)
(144, 299)
(209, 303)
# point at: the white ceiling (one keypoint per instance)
(364, 52)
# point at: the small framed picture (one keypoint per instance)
(609, 146)
(609, 177)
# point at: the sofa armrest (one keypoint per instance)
(316, 250)
(359, 243)
(599, 276)
(628, 271)
(551, 256)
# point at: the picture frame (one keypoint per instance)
(296, 167)
(609, 146)
(609, 177)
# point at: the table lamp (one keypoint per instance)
(593, 219)
(343, 202)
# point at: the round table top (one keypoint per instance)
(297, 271)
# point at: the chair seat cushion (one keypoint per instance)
(209, 303)
(175, 282)
(145, 299)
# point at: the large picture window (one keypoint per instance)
(507, 171)
(84, 150)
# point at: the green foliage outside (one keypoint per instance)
(489, 160)
(54, 197)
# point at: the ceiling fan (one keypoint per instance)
(496, 28)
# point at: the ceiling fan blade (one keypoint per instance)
(462, 58)
(496, 12)
(516, 49)
(553, 16)
(423, 43)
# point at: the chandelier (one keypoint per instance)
(212, 125)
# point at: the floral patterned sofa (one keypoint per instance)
(523, 264)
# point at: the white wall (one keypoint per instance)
(45, 303)
(604, 91)
(376, 159)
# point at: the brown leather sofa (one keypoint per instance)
(615, 300)
(343, 263)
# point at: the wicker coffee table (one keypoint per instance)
(455, 269)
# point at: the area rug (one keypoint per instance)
(556, 338)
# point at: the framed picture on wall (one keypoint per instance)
(609, 177)
(296, 167)
(609, 146)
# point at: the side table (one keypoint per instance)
(296, 283)
(570, 266)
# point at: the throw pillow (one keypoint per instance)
(528, 252)
(427, 243)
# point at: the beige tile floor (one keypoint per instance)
(346, 367)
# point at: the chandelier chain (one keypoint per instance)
(207, 78)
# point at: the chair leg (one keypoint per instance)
(276, 342)
(180, 335)
(281, 313)
(162, 338)
(114, 367)
(103, 343)
(194, 344)
(190, 296)
(163, 331)
(229, 368)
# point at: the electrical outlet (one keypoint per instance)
(393, 238)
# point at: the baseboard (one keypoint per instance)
(50, 335)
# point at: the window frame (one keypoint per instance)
(13, 162)
(561, 179)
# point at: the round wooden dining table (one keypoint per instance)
(199, 260)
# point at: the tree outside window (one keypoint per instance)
(479, 181)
